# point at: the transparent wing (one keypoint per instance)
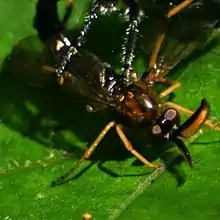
(185, 32)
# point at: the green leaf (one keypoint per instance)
(42, 134)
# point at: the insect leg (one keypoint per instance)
(129, 147)
(161, 36)
(173, 86)
(159, 40)
(178, 8)
(212, 124)
(60, 79)
(87, 154)
(48, 69)
(131, 35)
(99, 8)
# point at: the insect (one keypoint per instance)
(96, 84)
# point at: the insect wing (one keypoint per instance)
(85, 73)
(185, 32)
(86, 79)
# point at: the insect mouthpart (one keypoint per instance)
(167, 127)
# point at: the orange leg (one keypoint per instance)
(87, 154)
(161, 36)
(213, 125)
(129, 147)
(50, 69)
(153, 59)
(173, 86)
(60, 79)
(178, 8)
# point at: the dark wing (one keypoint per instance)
(185, 32)
(86, 80)
(85, 75)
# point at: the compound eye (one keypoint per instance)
(156, 130)
(170, 114)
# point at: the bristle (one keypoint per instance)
(128, 48)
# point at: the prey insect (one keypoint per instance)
(97, 85)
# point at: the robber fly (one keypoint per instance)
(101, 88)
